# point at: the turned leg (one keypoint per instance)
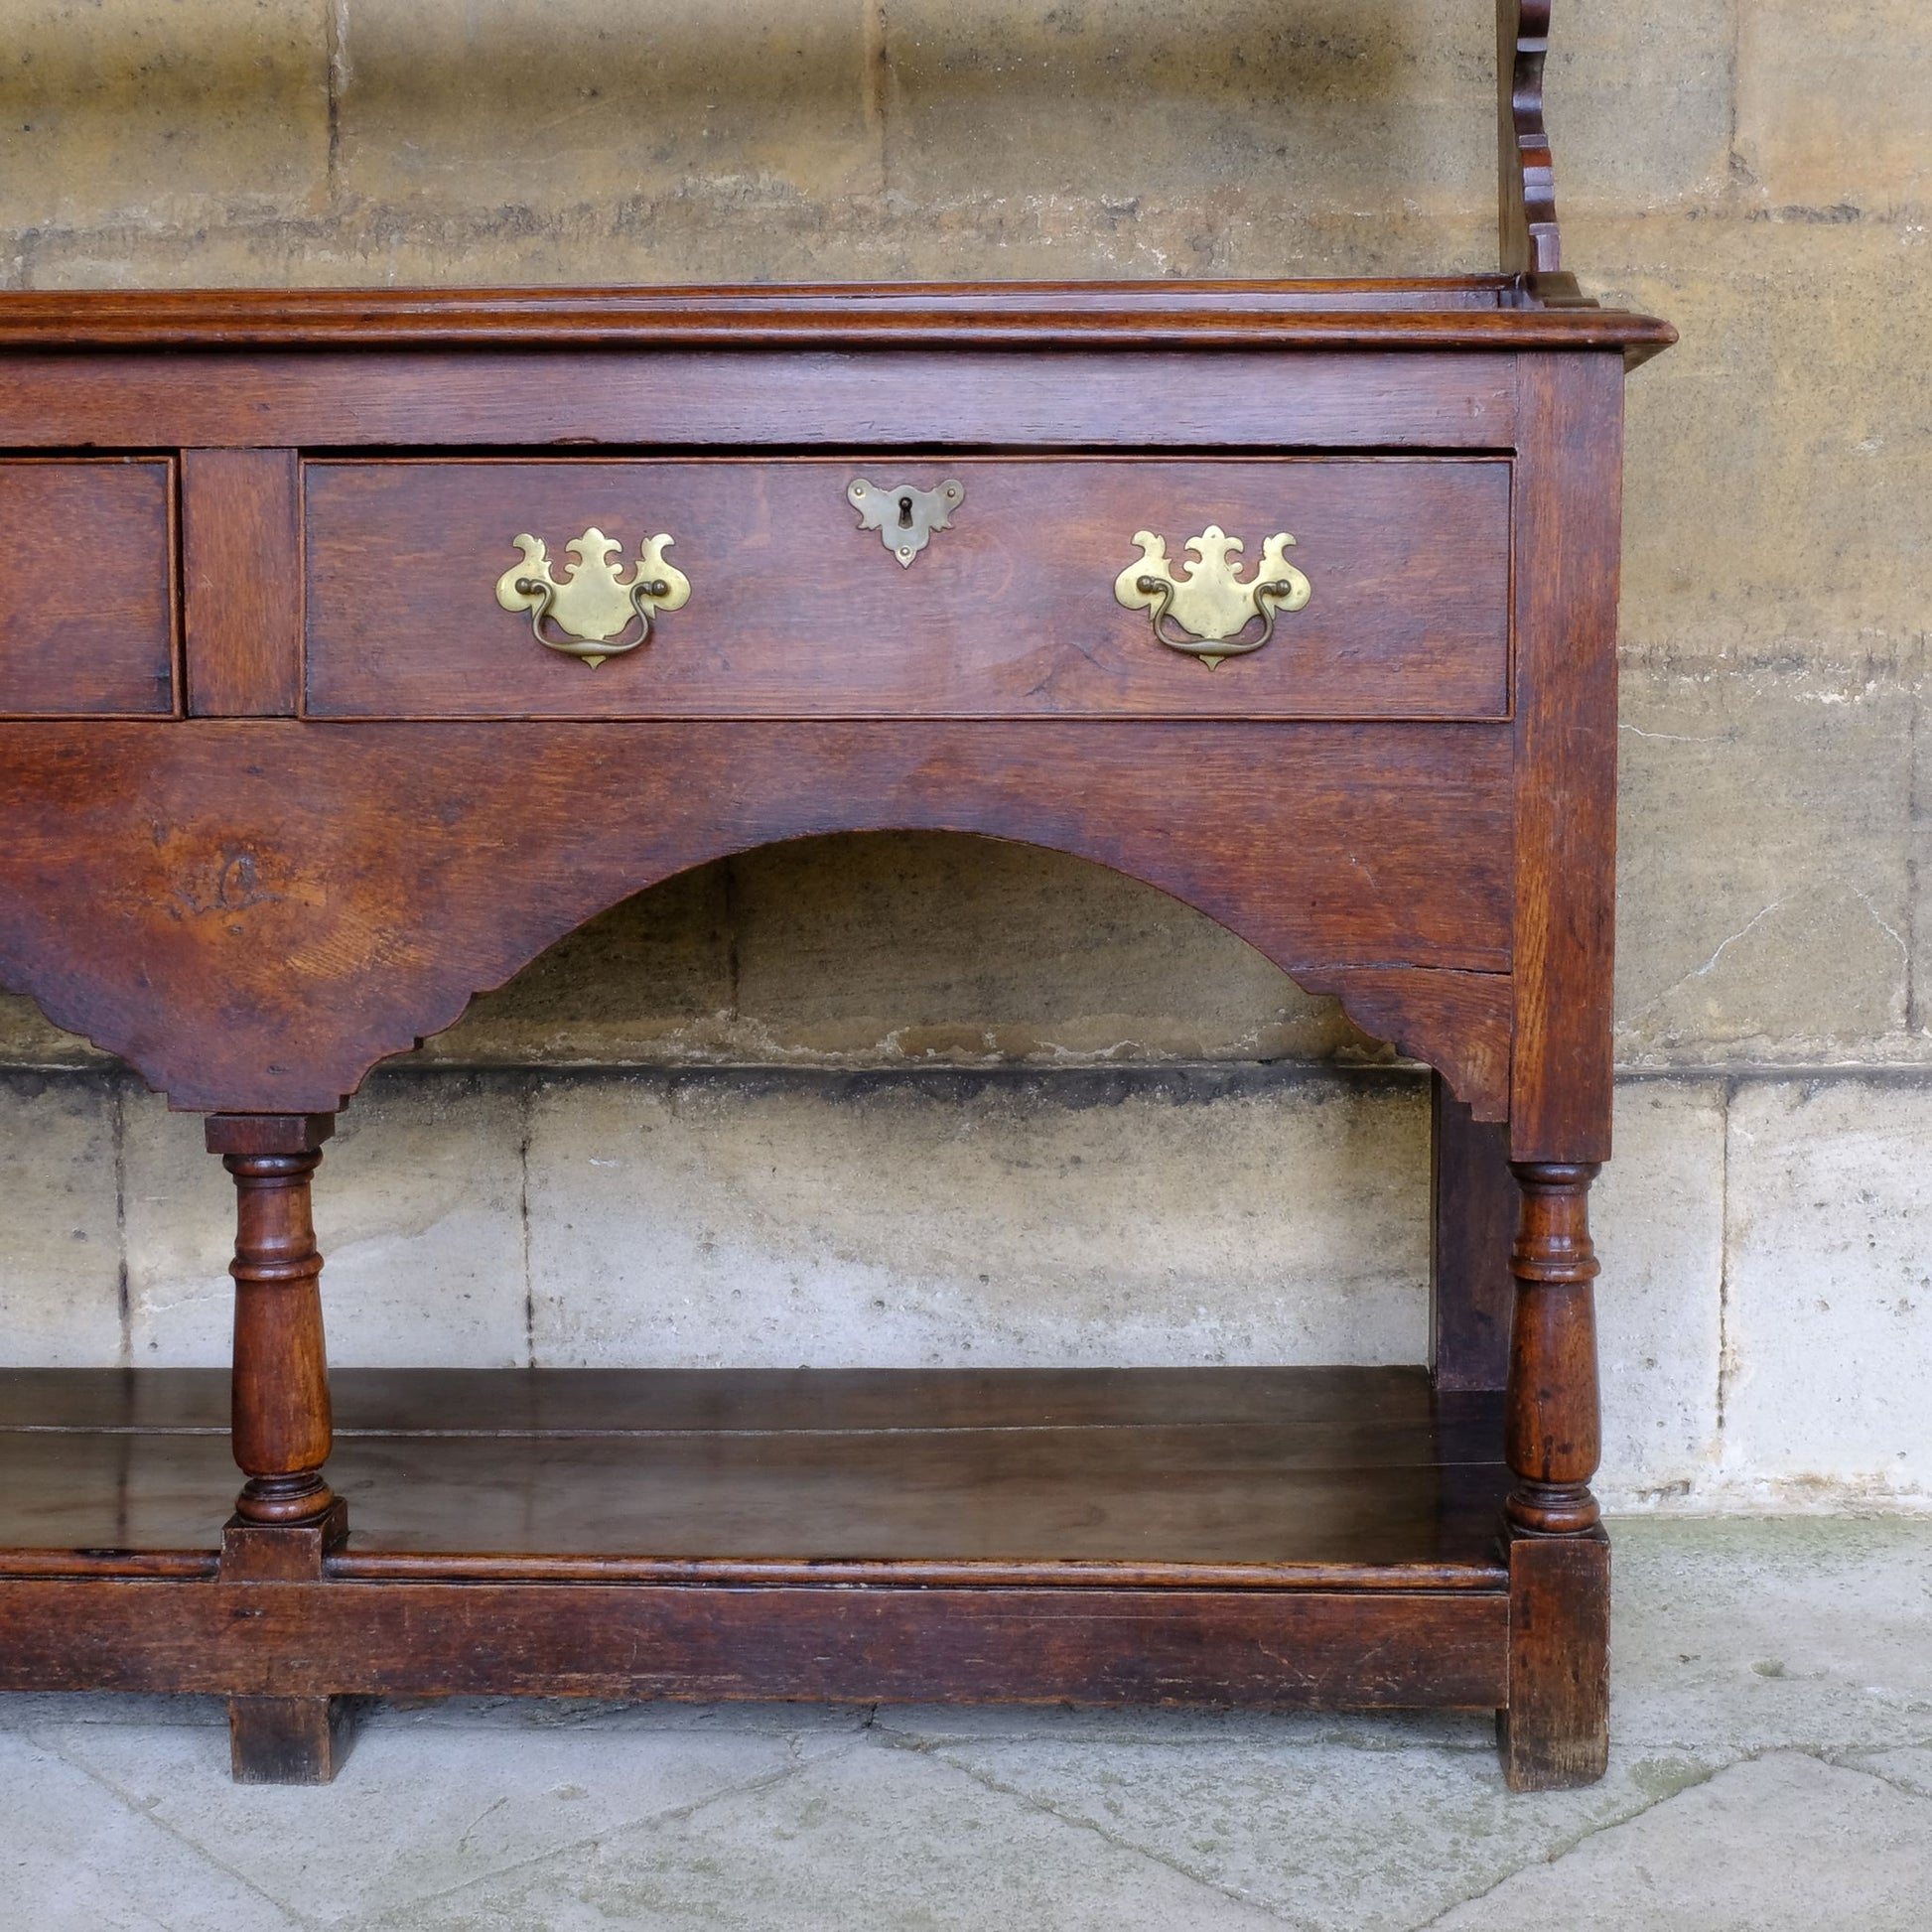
(280, 1418)
(1555, 1730)
(286, 1518)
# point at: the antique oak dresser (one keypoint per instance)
(356, 647)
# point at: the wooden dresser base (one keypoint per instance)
(1271, 1537)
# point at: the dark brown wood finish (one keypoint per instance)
(1280, 1478)
(839, 395)
(1555, 1726)
(1567, 516)
(1552, 1433)
(1283, 1650)
(1484, 312)
(1532, 243)
(1472, 1210)
(281, 1428)
(410, 865)
(241, 531)
(88, 597)
(1406, 800)
(796, 612)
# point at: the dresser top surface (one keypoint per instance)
(1478, 311)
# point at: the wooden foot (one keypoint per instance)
(1555, 1732)
(281, 1424)
(287, 1740)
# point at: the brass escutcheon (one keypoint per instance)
(904, 516)
(1209, 603)
(594, 603)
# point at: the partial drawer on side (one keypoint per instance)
(1010, 612)
(86, 587)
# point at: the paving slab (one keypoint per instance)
(1306, 1828)
(1813, 1632)
(73, 1858)
(870, 1836)
(419, 1808)
(1783, 1844)
(1910, 1769)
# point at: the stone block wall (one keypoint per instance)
(905, 1098)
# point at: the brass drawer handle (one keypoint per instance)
(1210, 604)
(592, 605)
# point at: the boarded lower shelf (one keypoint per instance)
(1284, 1536)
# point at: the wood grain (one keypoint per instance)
(1531, 241)
(1473, 1203)
(1478, 311)
(1286, 1650)
(1566, 534)
(1555, 1728)
(243, 558)
(1264, 1478)
(88, 597)
(797, 612)
(153, 884)
(804, 397)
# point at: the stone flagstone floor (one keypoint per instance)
(1772, 1769)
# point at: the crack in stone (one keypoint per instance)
(647, 1821)
(1700, 972)
(1583, 1836)
(1109, 1838)
(129, 1802)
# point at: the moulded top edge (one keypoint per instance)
(1478, 311)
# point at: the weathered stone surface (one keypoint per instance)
(1302, 1828)
(163, 113)
(382, 1855)
(1829, 1313)
(1781, 1845)
(418, 1213)
(917, 947)
(27, 1039)
(1764, 891)
(1208, 1218)
(78, 1859)
(1765, 1634)
(60, 1234)
(1639, 105)
(828, 1846)
(1834, 106)
(1658, 1211)
(1244, 142)
(1779, 483)
(651, 980)
(523, 106)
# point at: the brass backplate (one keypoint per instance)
(904, 516)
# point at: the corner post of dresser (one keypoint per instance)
(287, 1520)
(1555, 1730)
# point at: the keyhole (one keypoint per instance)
(906, 513)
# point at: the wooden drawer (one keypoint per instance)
(796, 610)
(86, 594)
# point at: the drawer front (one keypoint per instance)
(86, 594)
(795, 609)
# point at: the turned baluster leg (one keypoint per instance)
(286, 1518)
(1554, 1731)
